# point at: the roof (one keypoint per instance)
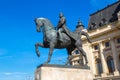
(104, 16)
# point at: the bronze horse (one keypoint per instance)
(51, 39)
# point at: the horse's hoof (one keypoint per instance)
(38, 54)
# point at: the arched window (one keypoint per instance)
(110, 64)
(99, 66)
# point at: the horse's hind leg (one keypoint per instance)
(36, 47)
(83, 53)
(50, 52)
(79, 47)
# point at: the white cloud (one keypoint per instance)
(4, 54)
(14, 76)
(13, 73)
(7, 73)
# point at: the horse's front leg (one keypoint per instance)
(36, 47)
(69, 56)
(50, 52)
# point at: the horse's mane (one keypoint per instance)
(47, 21)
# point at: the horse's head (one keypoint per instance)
(44, 24)
(39, 23)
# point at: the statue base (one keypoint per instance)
(62, 72)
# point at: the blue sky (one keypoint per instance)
(18, 35)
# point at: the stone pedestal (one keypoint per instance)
(58, 72)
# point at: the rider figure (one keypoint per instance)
(61, 25)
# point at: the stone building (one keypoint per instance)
(104, 52)
(76, 58)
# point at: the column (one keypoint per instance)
(103, 61)
(96, 68)
(118, 15)
(115, 56)
(93, 64)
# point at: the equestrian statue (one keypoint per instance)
(60, 37)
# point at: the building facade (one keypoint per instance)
(104, 52)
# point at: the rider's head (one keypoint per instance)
(61, 14)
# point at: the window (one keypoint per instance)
(107, 44)
(96, 47)
(103, 22)
(77, 52)
(118, 40)
(110, 64)
(93, 26)
(99, 66)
